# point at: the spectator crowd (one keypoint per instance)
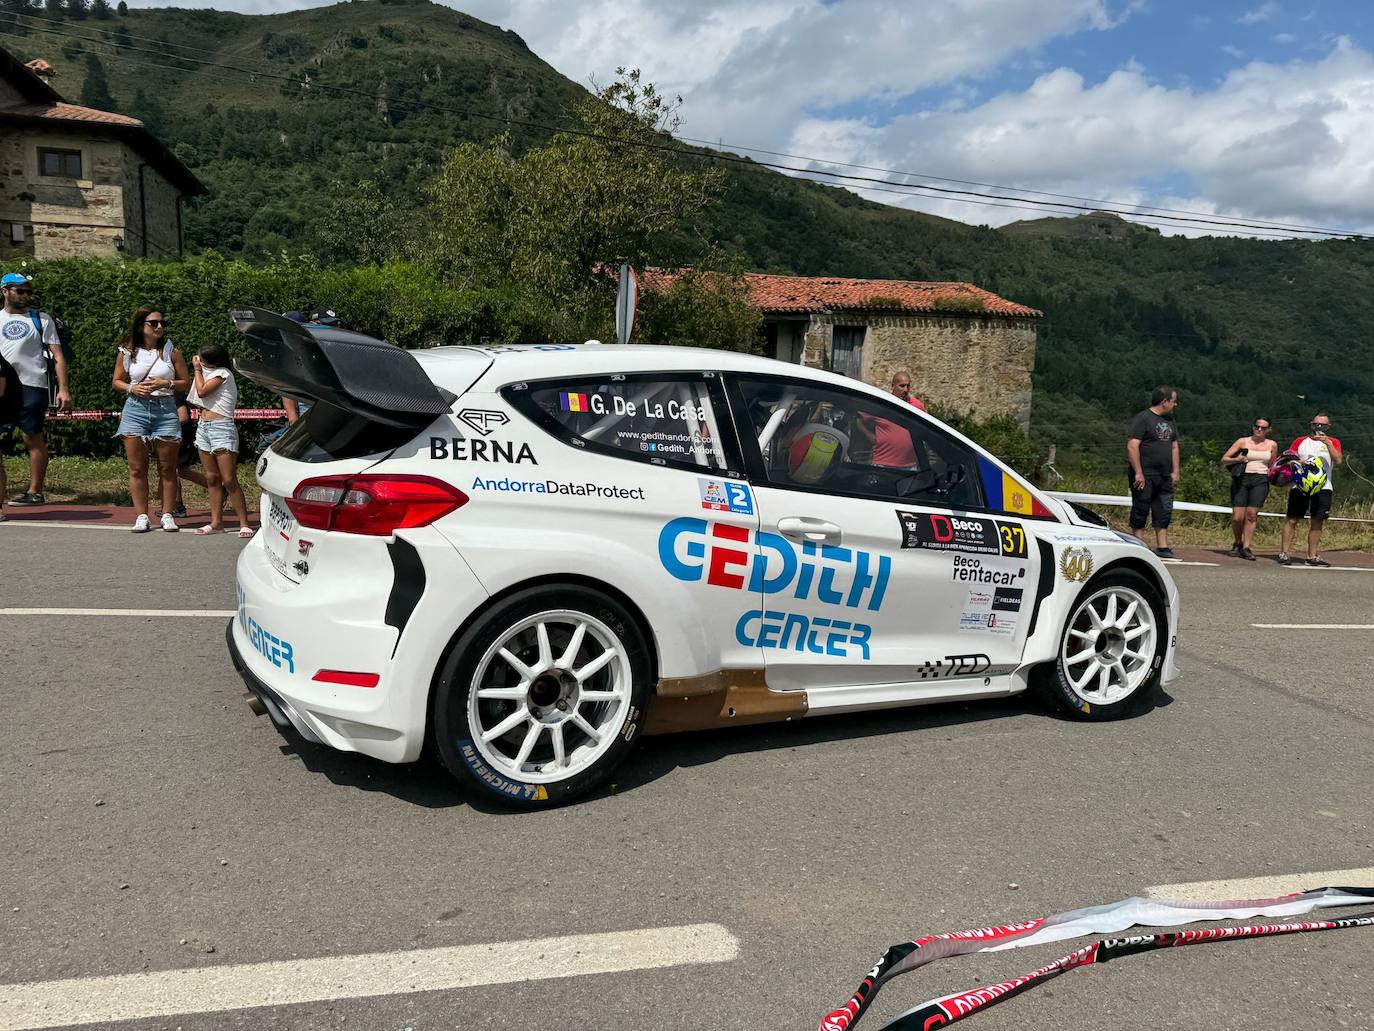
(175, 414)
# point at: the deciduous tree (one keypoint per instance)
(558, 220)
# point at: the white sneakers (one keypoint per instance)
(142, 525)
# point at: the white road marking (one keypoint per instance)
(68, 526)
(1185, 562)
(216, 989)
(1313, 626)
(188, 613)
(1302, 565)
(1263, 887)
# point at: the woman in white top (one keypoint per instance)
(1249, 459)
(217, 438)
(150, 370)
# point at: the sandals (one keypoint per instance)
(205, 531)
(246, 533)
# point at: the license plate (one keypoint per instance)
(280, 530)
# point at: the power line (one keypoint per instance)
(881, 185)
(1098, 203)
(994, 186)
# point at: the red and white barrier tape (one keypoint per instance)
(1109, 919)
(95, 415)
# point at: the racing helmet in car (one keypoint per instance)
(815, 453)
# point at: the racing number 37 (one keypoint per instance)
(1013, 539)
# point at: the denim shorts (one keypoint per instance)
(217, 435)
(150, 418)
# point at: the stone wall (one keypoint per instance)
(970, 363)
(149, 199)
(89, 217)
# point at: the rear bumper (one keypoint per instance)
(277, 707)
(360, 609)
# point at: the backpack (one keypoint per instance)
(64, 333)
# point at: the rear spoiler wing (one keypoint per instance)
(365, 378)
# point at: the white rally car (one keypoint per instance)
(533, 556)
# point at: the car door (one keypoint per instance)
(682, 543)
(881, 563)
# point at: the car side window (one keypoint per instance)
(813, 437)
(664, 419)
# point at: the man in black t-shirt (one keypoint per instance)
(1152, 450)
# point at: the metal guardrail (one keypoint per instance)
(1179, 506)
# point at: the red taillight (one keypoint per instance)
(377, 506)
(348, 679)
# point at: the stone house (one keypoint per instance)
(964, 348)
(77, 182)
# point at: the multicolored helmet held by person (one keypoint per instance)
(1286, 468)
(1312, 478)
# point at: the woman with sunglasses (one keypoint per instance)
(1248, 460)
(151, 371)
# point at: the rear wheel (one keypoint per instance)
(542, 698)
(1111, 653)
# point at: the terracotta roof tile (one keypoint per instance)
(808, 294)
(774, 293)
(63, 112)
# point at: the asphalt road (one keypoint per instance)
(151, 823)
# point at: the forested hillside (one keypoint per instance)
(296, 163)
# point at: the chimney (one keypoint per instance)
(41, 68)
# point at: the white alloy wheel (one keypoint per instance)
(1109, 648)
(549, 696)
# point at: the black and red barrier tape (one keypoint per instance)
(1132, 912)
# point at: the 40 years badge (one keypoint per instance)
(1076, 564)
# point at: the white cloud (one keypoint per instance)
(1291, 142)
(1285, 38)
(749, 69)
(1264, 12)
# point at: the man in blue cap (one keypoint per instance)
(28, 342)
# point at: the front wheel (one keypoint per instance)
(1111, 654)
(542, 697)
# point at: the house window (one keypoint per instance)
(61, 163)
(847, 351)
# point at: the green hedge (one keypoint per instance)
(395, 302)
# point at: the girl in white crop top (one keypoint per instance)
(150, 371)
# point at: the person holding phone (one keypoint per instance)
(1318, 443)
(1249, 459)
